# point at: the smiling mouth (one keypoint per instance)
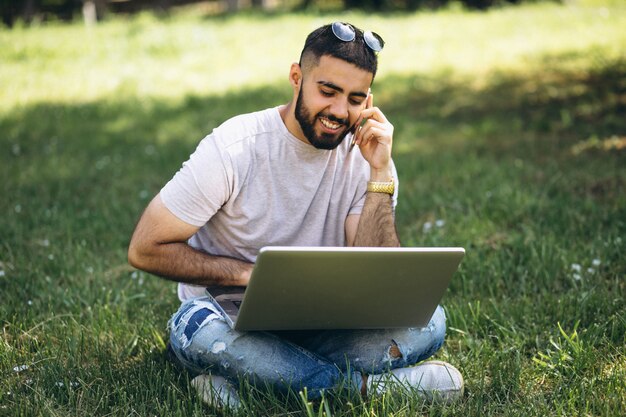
(329, 124)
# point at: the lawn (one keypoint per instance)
(510, 140)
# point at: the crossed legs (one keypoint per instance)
(318, 360)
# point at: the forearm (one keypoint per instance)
(377, 224)
(177, 261)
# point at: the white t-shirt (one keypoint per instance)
(251, 184)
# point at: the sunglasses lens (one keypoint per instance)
(343, 31)
(374, 41)
(346, 33)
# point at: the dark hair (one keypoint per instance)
(322, 41)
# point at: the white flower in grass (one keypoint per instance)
(51, 257)
(20, 368)
(440, 223)
(29, 302)
(2, 273)
(134, 275)
(59, 384)
(591, 270)
(89, 269)
(427, 226)
(576, 267)
(18, 208)
(596, 262)
(103, 162)
(577, 277)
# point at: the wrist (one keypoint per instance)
(385, 187)
(380, 175)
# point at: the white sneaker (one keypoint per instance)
(216, 391)
(435, 380)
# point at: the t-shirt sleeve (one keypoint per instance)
(359, 201)
(201, 186)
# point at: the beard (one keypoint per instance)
(323, 140)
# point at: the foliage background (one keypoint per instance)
(510, 137)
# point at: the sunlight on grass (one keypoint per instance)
(509, 141)
(145, 56)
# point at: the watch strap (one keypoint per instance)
(387, 187)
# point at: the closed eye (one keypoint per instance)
(356, 102)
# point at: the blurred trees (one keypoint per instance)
(93, 10)
(28, 9)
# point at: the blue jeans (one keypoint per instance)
(318, 360)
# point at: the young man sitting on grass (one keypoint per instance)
(288, 176)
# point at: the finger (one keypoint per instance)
(374, 113)
(368, 105)
(370, 101)
(366, 128)
(362, 133)
(371, 122)
(373, 134)
(358, 127)
(357, 130)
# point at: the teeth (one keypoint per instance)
(330, 124)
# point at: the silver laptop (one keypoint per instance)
(299, 288)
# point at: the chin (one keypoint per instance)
(328, 143)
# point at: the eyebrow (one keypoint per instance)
(341, 90)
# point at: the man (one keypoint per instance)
(289, 176)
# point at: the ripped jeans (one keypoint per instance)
(318, 360)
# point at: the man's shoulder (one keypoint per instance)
(245, 126)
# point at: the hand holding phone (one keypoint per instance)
(360, 121)
(374, 136)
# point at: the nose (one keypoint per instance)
(339, 108)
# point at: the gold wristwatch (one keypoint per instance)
(381, 187)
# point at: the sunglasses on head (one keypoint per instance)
(347, 33)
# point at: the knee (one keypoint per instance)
(438, 320)
(418, 344)
(437, 323)
(198, 333)
(194, 318)
(399, 347)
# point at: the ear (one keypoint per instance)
(295, 76)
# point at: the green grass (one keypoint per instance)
(510, 128)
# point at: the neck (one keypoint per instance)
(288, 114)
